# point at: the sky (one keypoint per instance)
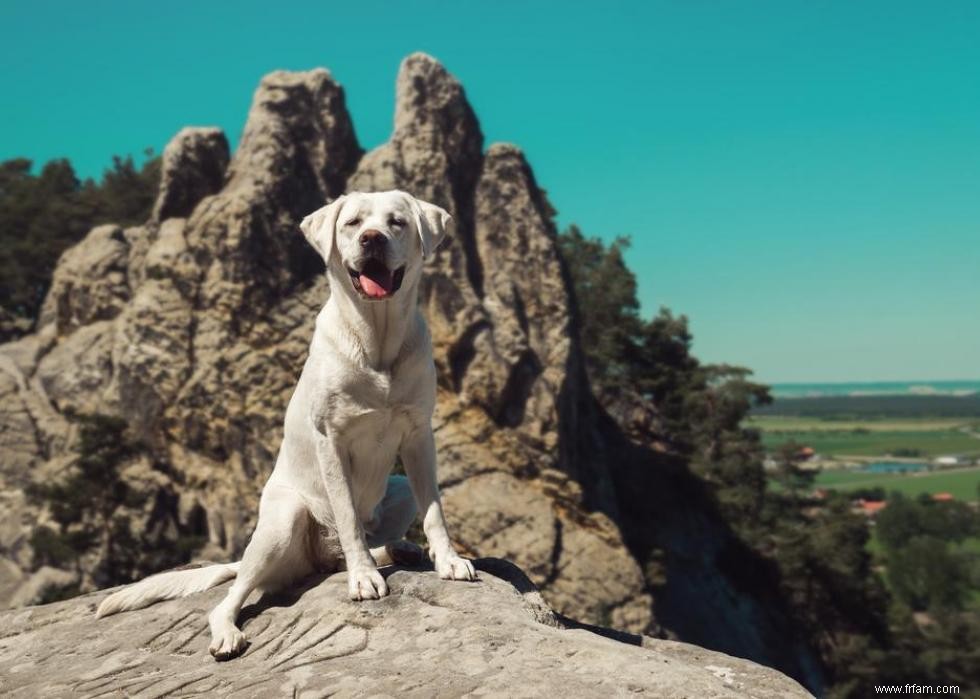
(800, 178)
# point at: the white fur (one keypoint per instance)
(365, 397)
(178, 583)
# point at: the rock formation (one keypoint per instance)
(194, 327)
(429, 638)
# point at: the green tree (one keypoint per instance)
(93, 507)
(906, 518)
(126, 193)
(609, 322)
(818, 547)
(702, 407)
(86, 505)
(789, 473)
(42, 215)
(925, 573)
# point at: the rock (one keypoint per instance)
(193, 167)
(90, 282)
(31, 590)
(430, 637)
(31, 429)
(76, 371)
(436, 147)
(12, 325)
(499, 310)
(252, 275)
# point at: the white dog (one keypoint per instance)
(365, 397)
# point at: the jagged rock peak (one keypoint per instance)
(194, 164)
(298, 129)
(426, 91)
(436, 147)
(508, 166)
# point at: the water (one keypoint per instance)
(894, 467)
(876, 388)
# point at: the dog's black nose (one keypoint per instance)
(372, 240)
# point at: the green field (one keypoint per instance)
(778, 423)
(962, 483)
(925, 437)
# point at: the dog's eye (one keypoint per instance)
(396, 222)
(353, 222)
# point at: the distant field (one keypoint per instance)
(838, 443)
(962, 483)
(779, 423)
(870, 437)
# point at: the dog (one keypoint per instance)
(364, 399)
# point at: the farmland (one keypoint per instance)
(872, 437)
(962, 483)
(845, 442)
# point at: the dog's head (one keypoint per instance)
(376, 241)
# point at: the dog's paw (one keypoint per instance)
(365, 582)
(227, 643)
(452, 566)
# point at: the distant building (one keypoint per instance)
(951, 460)
(869, 508)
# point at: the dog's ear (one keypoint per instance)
(432, 222)
(320, 227)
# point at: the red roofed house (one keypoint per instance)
(870, 507)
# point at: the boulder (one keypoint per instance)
(429, 637)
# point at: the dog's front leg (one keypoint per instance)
(418, 454)
(363, 579)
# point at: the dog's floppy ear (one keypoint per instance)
(320, 227)
(432, 222)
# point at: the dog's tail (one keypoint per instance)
(164, 586)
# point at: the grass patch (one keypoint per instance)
(961, 483)
(924, 438)
(860, 442)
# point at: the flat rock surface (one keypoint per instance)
(430, 637)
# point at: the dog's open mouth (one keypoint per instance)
(375, 280)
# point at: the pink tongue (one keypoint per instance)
(374, 288)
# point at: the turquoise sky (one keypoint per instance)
(801, 178)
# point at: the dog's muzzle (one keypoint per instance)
(375, 281)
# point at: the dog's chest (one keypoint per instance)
(374, 407)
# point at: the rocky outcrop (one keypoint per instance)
(194, 327)
(501, 318)
(429, 638)
(193, 167)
